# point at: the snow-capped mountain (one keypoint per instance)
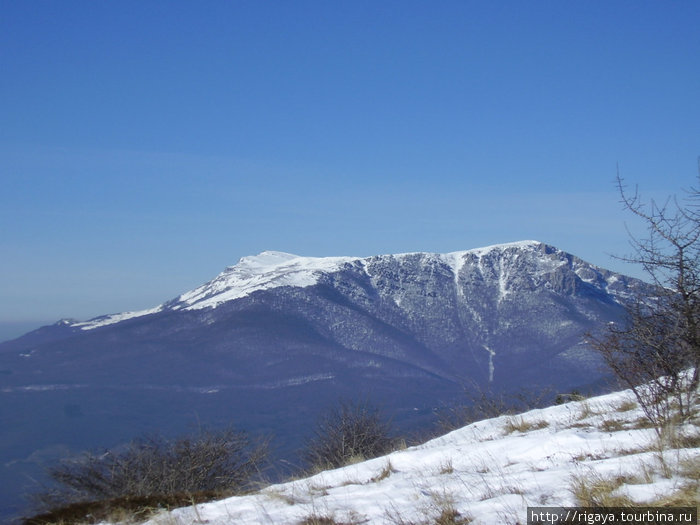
(275, 338)
(457, 316)
(271, 269)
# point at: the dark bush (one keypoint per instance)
(153, 468)
(350, 430)
(137, 508)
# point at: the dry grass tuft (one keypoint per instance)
(281, 496)
(519, 424)
(612, 425)
(586, 411)
(440, 511)
(686, 496)
(446, 467)
(626, 405)
(452, 517)
(443, 509)
(595, 490)
(387, 471)
(315, 518)
(319, 519)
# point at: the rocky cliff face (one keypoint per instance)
(275, 338)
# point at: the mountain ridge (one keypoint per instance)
(419, 309)
(272, 269)
(408, 331)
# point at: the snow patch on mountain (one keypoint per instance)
(267, 270)
(492, 368)
(485, 250)
(105, 320)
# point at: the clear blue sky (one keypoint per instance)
(145, 145)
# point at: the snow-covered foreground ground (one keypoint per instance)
(489, 472)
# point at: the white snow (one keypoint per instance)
(486, 471)
(114, 318)
(492, 368)
(517, 244)
(455, 260)
(260, 272)
(269, 269)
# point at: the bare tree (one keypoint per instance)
(656, 352)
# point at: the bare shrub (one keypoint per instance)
(656, 352)
(484, 403)
(567, 397)
(154, 470)
(644, 357)
(346, 431)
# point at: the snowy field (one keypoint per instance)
(486, 473)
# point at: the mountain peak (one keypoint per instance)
(265, 260)
(269, 269)
(507, 245)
